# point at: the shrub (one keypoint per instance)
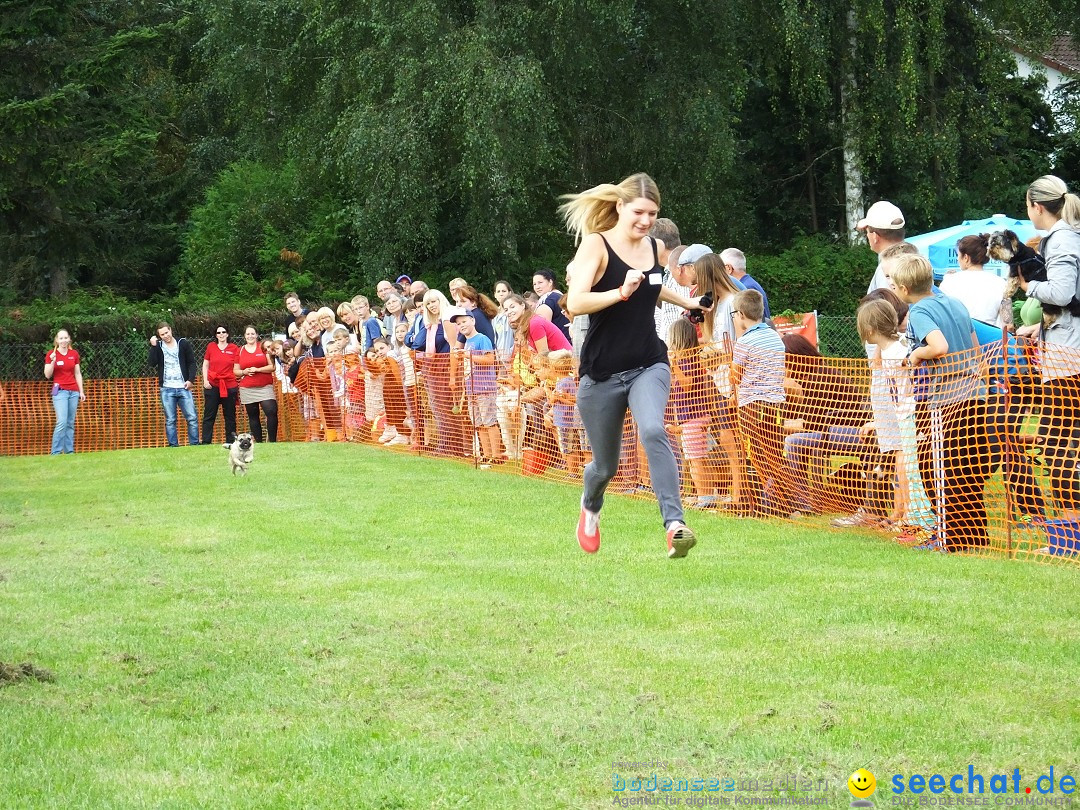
(815, 274)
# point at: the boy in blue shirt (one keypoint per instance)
(956, 462)
(478, 384)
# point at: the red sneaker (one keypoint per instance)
(680, 539)
(588, 531)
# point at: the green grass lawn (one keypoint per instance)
(349, 628)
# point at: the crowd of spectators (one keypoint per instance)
(755, 415)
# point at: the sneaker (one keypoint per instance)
(680, 539)
(387, 435)
(860, 519)
(588, 530)
(397, 441)
(705, 502)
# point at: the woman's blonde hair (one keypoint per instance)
(444, 305)
(326, 312)
(1052, 194)
(876, 318)
(594, 210)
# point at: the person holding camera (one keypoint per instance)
(718, 336)
(617, 281)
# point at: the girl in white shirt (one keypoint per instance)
(878, 327)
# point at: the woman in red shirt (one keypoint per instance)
(219, 385)
(62, 367)
(255, 371)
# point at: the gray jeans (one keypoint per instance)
(602, 406)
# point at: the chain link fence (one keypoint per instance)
(100, 359)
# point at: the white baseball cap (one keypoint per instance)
(882, 215)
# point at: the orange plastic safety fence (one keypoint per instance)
(974, 452)
(116, 415)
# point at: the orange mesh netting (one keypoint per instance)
(977, 451)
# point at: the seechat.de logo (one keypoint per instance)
(977, 783)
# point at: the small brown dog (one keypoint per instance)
(241, 453)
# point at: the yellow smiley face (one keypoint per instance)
(862, 783)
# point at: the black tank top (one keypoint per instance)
(623, 336)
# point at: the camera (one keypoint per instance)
(696, 315)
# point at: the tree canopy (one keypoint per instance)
(183, 147)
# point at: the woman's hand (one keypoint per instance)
(631, 282)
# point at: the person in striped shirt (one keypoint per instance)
(757, 371)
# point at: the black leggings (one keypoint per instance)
(269, 407)
(212, 399)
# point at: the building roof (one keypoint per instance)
(1062, 54)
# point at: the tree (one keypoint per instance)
(89, 164)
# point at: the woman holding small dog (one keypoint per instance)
(255, 370)
(62, 367)
(1052, 208)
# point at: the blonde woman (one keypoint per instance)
(62, 367)
(1053, 208)
(432, 343)
(617, 281)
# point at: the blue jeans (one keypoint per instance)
(171, 399)
(65, 404)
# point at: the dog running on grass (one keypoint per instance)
(241, 453)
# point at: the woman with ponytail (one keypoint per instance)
(617, 281)
(1052, 208)
(977, 289)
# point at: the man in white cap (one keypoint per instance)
(884, 226)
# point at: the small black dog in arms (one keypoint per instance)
(1024, 262)
(241, 453)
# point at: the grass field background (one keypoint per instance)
(346, 627)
